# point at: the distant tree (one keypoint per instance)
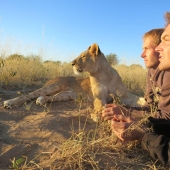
(34, 57)
(134, 66)
(54, 62)
(15, 56)
(46, 61)
(112, 59)
(123, 66)
(58, 62)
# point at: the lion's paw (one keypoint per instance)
(7, 104)
(40, 101)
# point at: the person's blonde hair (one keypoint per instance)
(155, 34)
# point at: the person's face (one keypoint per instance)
(150, 56)
(164, 50)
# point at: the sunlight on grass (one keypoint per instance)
(95, 148)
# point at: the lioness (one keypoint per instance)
(103, 80)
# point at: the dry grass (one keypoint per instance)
(96, 149)
(99, 149)
(134, 77)
(21, 73)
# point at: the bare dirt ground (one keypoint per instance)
(30, 130)
(37, 133)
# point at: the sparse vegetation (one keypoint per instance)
(96, 148)
(17, 71)
(20, 72)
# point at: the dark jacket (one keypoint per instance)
(158, 92)
(157, 95)
(157, 141)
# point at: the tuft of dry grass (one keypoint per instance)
(134, 78)
(99, 149)
(96, 148)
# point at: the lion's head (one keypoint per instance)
(88, 60)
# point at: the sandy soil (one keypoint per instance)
(30, 130)
(33, 131)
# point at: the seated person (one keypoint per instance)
(155, 137)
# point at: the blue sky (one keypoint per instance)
(61, 29)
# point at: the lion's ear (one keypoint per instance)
(94, 49)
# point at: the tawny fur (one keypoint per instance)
(58, 89)
(103, 80)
